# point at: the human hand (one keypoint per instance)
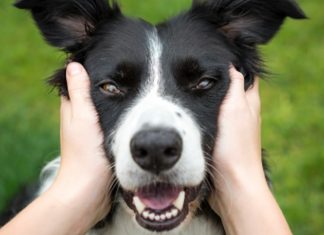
(242, 197)
(85, 176)
(237, 154)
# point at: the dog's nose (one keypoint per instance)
(156, 150)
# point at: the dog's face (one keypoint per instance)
(158, 89)
(158, 102)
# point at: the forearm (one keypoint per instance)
(46, 216)
(69, 207)
(248, 207)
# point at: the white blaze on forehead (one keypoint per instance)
(155, 70)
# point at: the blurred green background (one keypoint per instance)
(293, 106)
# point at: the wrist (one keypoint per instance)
(242, 187)
(66, 218)
(237, 181)
(85, 199)
(249, 207)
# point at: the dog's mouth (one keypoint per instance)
(161, 206)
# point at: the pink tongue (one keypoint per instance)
(158, 197)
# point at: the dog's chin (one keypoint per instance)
(161, 206)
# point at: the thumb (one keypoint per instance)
(253, 97)
(236, 89)
(79, 88)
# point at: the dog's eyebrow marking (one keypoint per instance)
(155, 71)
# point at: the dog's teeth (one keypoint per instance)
(146, 214)
(178, 203)
(163, 217)
(152, 216)
(174, 212)
(157, 218)
(168, 215)
(138, 204)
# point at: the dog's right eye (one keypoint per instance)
(204, 84)
(110, 89)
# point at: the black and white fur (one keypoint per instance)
(173, 75)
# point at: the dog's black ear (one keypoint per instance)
(67, 24)
(248, 22)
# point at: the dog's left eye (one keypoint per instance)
(111, 89)
(204, 84)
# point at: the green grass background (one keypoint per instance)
(293, 106)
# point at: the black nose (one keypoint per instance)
(156, 150)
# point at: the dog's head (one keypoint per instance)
(158, 89)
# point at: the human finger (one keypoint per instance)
(236, 94)
(79, 89)
(253, 97)
(65, 111)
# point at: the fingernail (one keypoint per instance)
(74, 69)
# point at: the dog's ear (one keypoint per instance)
(247, 22)
(67, 24)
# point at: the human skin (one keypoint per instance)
(78, 198)
(242, 197)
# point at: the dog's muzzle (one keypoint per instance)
(160, 206)
(159, 162)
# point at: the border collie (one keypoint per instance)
(157, 90)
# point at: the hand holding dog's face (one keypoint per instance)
(85, 175)
(237, 153)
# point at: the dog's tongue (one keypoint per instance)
(158, 197)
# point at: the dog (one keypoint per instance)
(158, 91)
